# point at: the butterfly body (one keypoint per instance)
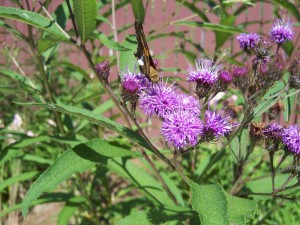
(147, 66)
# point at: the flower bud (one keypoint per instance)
(263, 47)
(275, 110)
(102, 70)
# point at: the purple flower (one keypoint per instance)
(181, 129)
(132, 82)
(273, 131)
(217, 125)
(189, 103)
(225, 77)
(282, 31)
(206, 72)
(131, 86)
(291, 138)
(248, 41)
(158, 99)
(102, 70)
(240, 71)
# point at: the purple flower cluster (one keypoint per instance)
(159, 99)
(133, 82)
(282, 31)
(291, 138)
(181, 129)
(188, 103)
(179, 112)
(206, 72)
(248, 41)
(217, 125)
(273, 131)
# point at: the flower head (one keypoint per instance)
(181, 129)
(248, 41)
(282, 31)
(217, 125)
(206, 72)
(131, 86)
(240, 71)
(102, 70)
(158, 99)
(189, 103)
(225, 77)
(273, 131)
(291, 138)
(263, 48)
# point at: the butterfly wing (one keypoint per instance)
(142, 54)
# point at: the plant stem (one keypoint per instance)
(115, 36)
(42, 67)
(271, 156)
(73, 19)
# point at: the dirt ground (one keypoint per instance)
(43, 215)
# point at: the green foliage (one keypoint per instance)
(31, 18)
(85, 12)
(220, 207)
(138, 9)
(77, 160)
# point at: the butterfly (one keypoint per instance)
(147, 66)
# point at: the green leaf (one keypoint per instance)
(138, 9)
(31, 18)
(290, 7)
(112, 44)
(210, 202)
(103, 19)
(267, 101)
(212, 26)
(17, 178)
(264, 185)
(12, 30)
(173, 188)
(136, 218)
(96, 119)
(288, 106)
(193, 7)
(81, 158)
(69, 209)
(48, 41)
(127, 58)
(145, 182)
(24, 80)
(288, 47)
(216, 207)
(85, 12)
(221, 37)
(47, 198)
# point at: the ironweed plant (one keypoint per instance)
(228, 146)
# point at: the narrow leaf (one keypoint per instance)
(138, 176)
(96, 119)
(31, 18)
(71, 161)
(138, 9)
(212, 26)
(18, 178)
(69, 209)
(112, 44)
(85, 12)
